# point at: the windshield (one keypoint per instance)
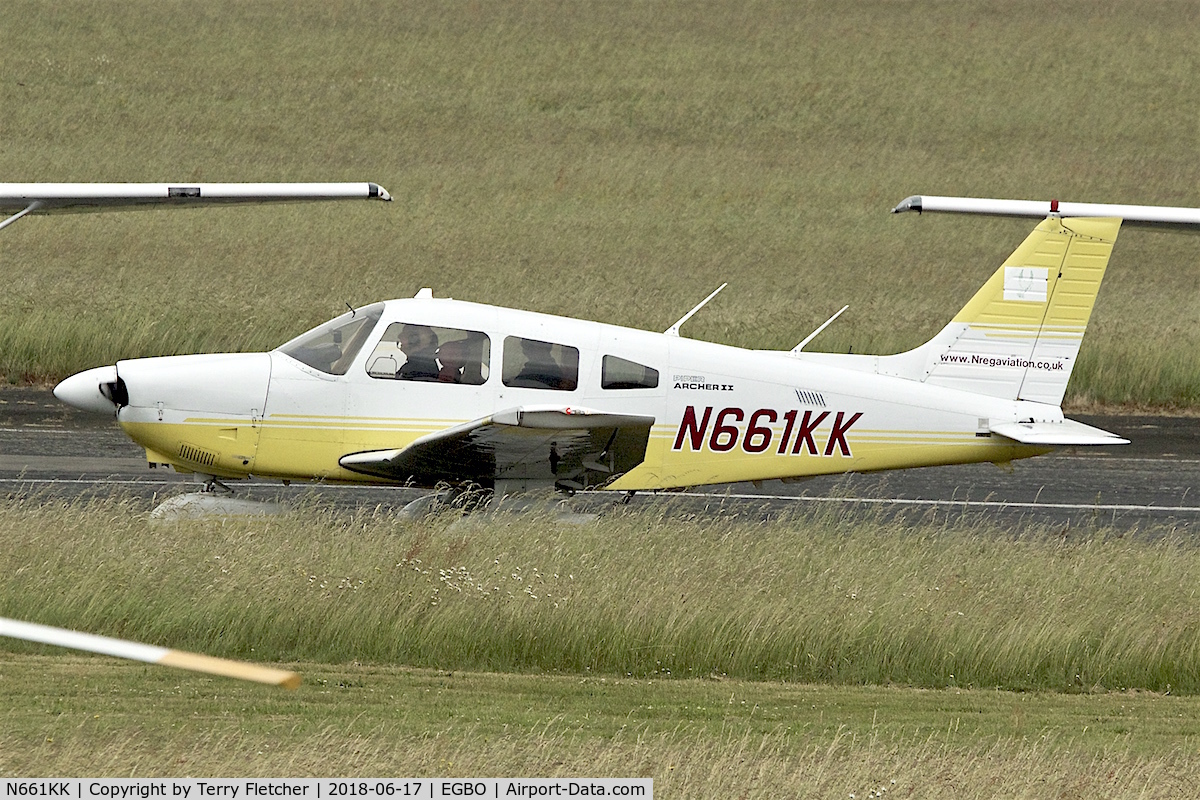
(332, 347)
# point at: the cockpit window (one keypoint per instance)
(531, 364)
(331, 347)
(410, 352)
(618, 373)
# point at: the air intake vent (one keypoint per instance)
(810, 398)
(196, 455)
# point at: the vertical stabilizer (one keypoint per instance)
(1019, 336)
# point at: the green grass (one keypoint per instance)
(609, 161)
(812, 655)
(816, 597)
(67, 715)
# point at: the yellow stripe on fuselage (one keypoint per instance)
(303, 448)
(871, 451)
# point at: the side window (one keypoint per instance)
(617, 373)
(409, 352)
(531, 364)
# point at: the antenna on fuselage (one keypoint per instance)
(796, 350)
(674, 329)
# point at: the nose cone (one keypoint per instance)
(83, 390)
(212, 384)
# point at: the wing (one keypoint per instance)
(136, 651)
(567, 447)
(54, 198)
(1168, 217)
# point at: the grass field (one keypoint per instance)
(615, 161)
(612, 161)
(827, 597)
(811, 655)
(695, 738)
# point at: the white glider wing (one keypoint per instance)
(135, 651)
(1133, 216)
(571, 448)
(19, 199)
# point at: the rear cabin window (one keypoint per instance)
(533, 364)
(618, 373)
(331, 347)
(410, 352)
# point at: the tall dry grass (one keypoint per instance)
(699, 765)
(814, 597)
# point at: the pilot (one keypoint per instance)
(419, 344)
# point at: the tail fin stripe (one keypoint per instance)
(1019, 336)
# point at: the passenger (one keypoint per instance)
(462, 359)
(419, 344)
(570, 369)
(475, 348)
(453, 358)
(540, 370)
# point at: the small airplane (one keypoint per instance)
(429, 391)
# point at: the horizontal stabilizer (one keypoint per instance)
(1133, 216)
(1066, 432)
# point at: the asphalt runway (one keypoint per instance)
(48, 449)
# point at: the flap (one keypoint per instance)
(1066, 432)
(563, 446)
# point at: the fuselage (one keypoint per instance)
(722, 414)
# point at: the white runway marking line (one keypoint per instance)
(710, 495)
(182, 481)
(1102, 459)
(963, 503)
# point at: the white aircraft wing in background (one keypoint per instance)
(150, 654)
(1131, 216)
(20, 199)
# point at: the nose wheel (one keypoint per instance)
(212, 498)
(211, 486)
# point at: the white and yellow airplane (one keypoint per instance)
(428, 390)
